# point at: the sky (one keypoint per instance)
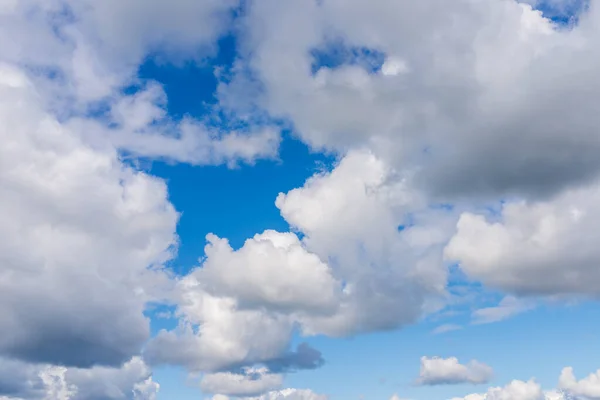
(299, 200)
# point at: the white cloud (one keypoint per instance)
(396, 397)
(351, 217)
(508, 307)
(131, 381)
(285, 394)
(490, 127)
(79, 230)
(515, 390)
(251, 383)
(448, 371)
(227, 337)
(246, 303)
(95, 50)
(272, 269)
(587, 388)
(292, 394)
(536, 248)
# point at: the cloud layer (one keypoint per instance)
(446, 153)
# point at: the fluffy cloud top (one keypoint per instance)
(528, 249)
(448, 371)
(253, 382)
(515, 390)
(587, 388)
(132, 381)
(72, 213)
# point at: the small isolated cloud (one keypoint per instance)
(448, 371)
(396, 397)
(509, 306)
(446, 328)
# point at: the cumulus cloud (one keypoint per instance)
(251, 383)
(79, 231)
(534, 248)
(587, 388)
(349, 274)
(272, 269)
(515, 390)
(379, 238)
(435, 116)
(292, 394)
(131, 381)
(79, 58)
(285, 394)
(569, 388)
(448, 371)
(471, 125)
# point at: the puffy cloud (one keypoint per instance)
(79, 230)
(528, 248)
(515, 390)
(139, 123)
(215, 334)
(131, 381)
(448, 371)
(272, 269)
(285, 394)
(98, 47)
(378, 237)
(241, 307)
(587, 388)
(292, 394)
(251, 383)
(488, 128)
(81, 62)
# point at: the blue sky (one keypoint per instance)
(299, 200)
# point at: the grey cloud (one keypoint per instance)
(304, 357)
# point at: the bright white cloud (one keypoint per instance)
(352, 217)
(515, 390)
(445, 114)
(253, 382)
(489, 127)
(247, 302)
(449, 371)
(292, 394)
(587, 388)
(541, 248)
(96, 48)
(131, 381)
(79, 230)
(226, 337)
(272, 269)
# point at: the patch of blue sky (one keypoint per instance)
(233, 203)
(563, 12)
(336, 53)
(526, 346)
